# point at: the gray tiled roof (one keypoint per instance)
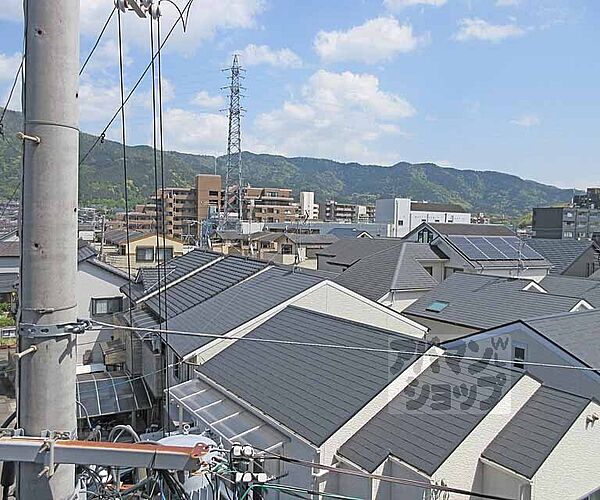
(348, 233)
(346, 252)
(480, 301)
(577, 333)
(310, 390)
(573, 287)
(394, 268)
(118, 236)
(237, 305)
(177, 268)
(424, 436)
(203, 285)
(595, 276)
(561, 253)
(312, 239)
(533, 433)
(85, 251)
(471, 229)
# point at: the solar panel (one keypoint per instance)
(494, 248)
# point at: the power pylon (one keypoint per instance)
(233, 175)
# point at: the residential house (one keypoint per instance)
(569, 257)
(349, 233)
(569, 339)
(404, 215)
(468, 303)
(303, 401)
(490, 249)
(138, 249)
(588, 290)
(514, 439)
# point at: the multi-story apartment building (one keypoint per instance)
(580, 220)
(348, 212)
(141, 218)
(404, 215)
(308, 208)
(270, 205)
(209, 196)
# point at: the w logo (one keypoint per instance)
(500, 343)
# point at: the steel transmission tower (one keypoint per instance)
(233, 174)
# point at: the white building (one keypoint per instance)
(308, 207)
(404, 214)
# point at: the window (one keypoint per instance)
(108, 305)
(429, 269)
(401, 222)
(519, 355)
(164, 254)
(286, 249)
(437, 306)
(144, 254)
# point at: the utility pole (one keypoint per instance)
(233, 172)
(48, 300)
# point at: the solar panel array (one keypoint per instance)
(494, 248)
(105, 393)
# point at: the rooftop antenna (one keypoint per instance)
(233, 171)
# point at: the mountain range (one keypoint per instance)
(101, 177)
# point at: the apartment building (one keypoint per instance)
(580, 220)
(404, 215)
(209, 196)
(270, 205)
(308, 208)
(348, 212)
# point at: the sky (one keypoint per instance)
(506, 85)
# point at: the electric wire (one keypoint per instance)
(10, 93)
(95, 46)
(135, 86)
(344, 347)
(125, 176)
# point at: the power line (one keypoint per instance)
(388, 479)
(97, 41)
(134, 88)
(10, 94)
(342, 347)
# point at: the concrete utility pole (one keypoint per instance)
(48, 303)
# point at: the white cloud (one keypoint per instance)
(479, 29)
(339, 115)
(507, 3)
(527, 120)
(402, 4)
(254, 55)
(206, 19)
(376, 40)
(9, 66)
(207, 101)
(202, 133)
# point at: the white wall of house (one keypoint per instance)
(337, 301)
(417, 217)
(462, 469)
(95, 282)
(572, 469)
(399, 300)
(538, 350)
(496, 480)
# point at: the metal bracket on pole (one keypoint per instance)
(45, 331)
(25, 137)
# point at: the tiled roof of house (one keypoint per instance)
(480, 301)
(573, 287)
(533, 433)
(423, 425)
(310, 390)
(561, 253)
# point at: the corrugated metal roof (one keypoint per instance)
(481, 302)
(533, 433)
(237, 305)
(203, 285)
(394, 268)
(312, 391)
(561, 253)
(425, 423)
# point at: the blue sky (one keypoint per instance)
(507, 85)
